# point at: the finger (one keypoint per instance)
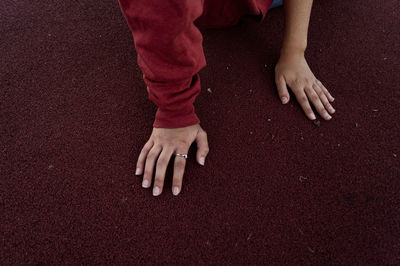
(305, 105)
(323, 99)
(149, 167)
(202, 147)
(142, 157)
(314, 98)
(162, 163)
(282, 90)
(179, 169)
(326, 92)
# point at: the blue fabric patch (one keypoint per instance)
(276, 3)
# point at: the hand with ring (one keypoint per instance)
(162, 144)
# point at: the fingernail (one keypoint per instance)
(156, 191)
(331, 109)
(328, 116)
(284, 99)
(175, 191)
(145, 183)
(202, 160)
(313, 116)
(137, 171)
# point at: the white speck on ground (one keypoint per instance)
(209, 90)
(51, 166)
(251, 132)
(338, 145)
(301, 178)
(394, 155)
(269, 119)
(356, 124)
(311, 250)
(248, 238)
(375, 110)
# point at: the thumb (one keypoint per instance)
(282, 90)
(202, 146)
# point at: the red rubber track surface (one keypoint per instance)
(275, 189)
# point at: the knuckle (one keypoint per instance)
(162, 140)
(159, 176)
(297, 84)
(182, 143)
(180, 164)
(177, 181)
(145, 149)
(314, 97)
(152, 154)
(159, 179)
(317, 89)
(203, 132)
(308, 110)
(321, 109)
(159, 183)
(148, 144)
(178, 176)
(148, 173)
(320, 95)
(303, 99)
(162, 161)
(139, 163)
(140, 158)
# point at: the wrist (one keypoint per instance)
(292, 51)
(297, 48)
(177, 118)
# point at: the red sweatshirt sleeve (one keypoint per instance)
(170, 55)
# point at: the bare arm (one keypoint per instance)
(297, 17)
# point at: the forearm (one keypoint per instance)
(170, 55)
(297, 17)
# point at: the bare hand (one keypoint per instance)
(163, 143)
(292, 70)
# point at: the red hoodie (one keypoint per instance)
(169, 47)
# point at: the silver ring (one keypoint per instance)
(183, 155)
